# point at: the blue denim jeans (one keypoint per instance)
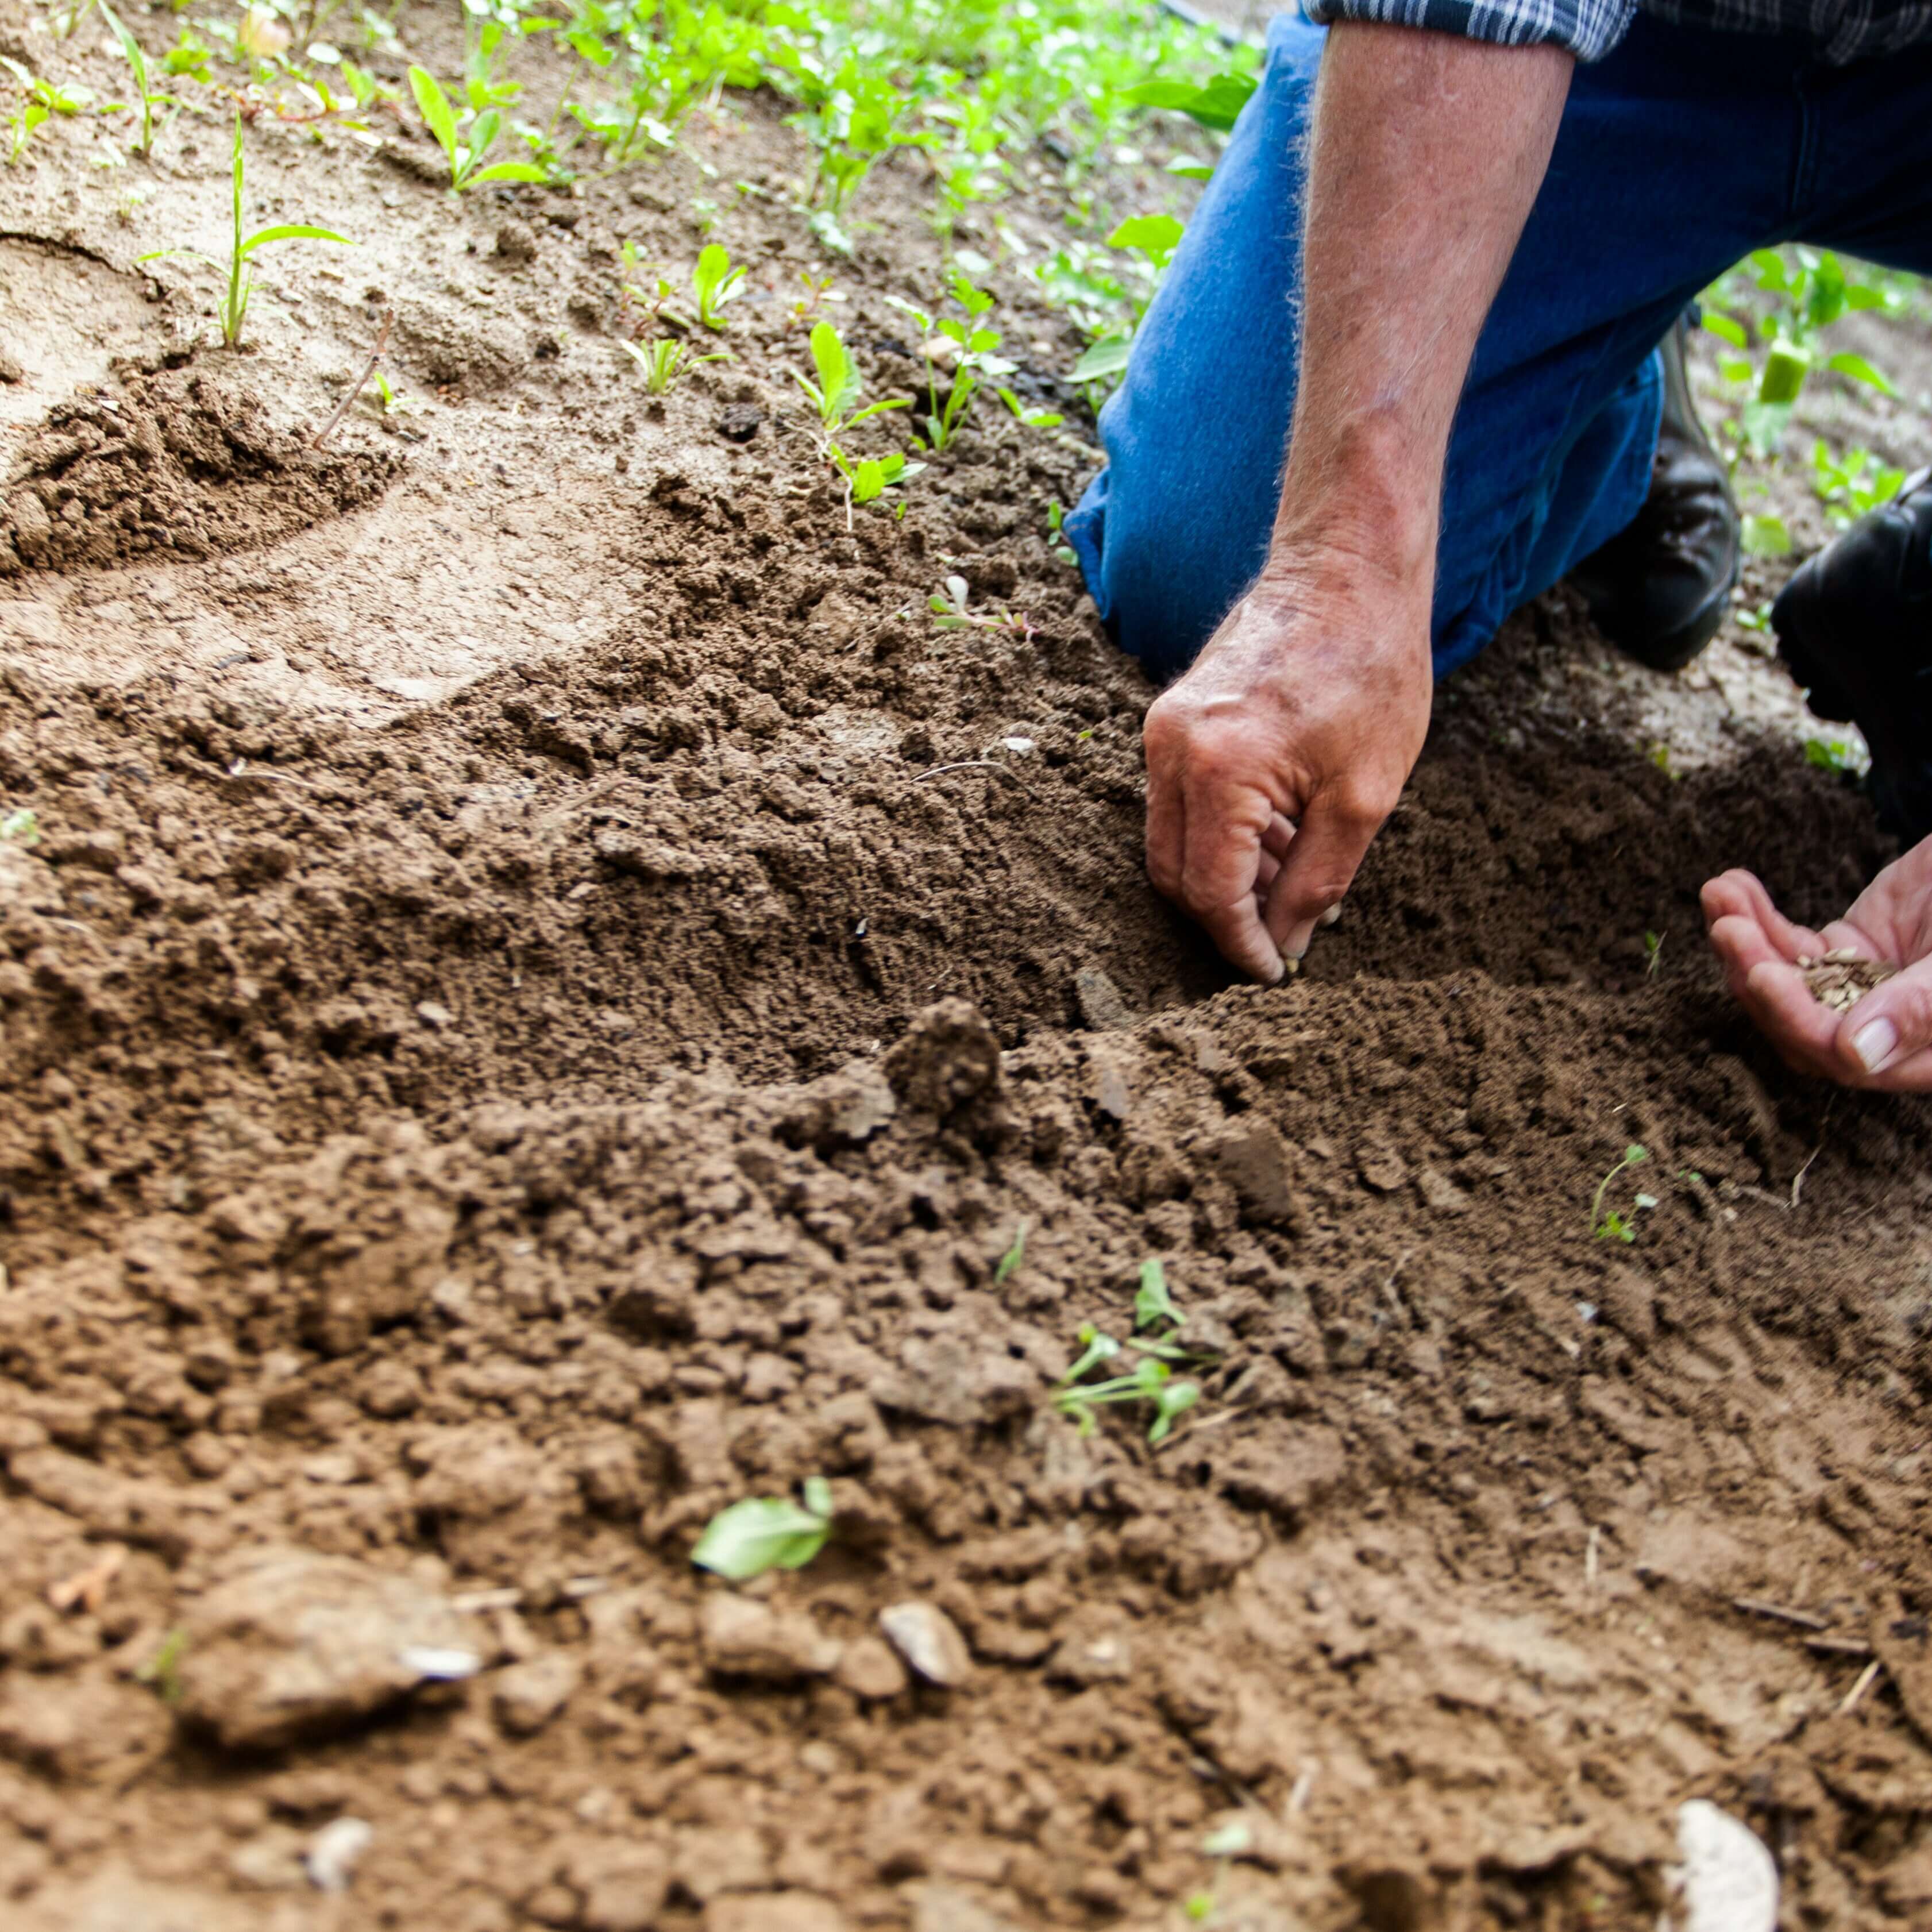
(1677, 155)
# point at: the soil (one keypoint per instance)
(546, 989)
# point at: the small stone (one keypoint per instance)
(929, 1640)
(741, 1638)
(1438, 1193)
(870, 1670)
(271, 1861)
(527, 1695)
(738, 422)
(388, 1390)
(1381, 1167)
(335, 1851)
(1253, 1161)
(1728, 1881)
(434, 1013)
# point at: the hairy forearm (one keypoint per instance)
(1426, 153)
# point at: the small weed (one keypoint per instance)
(1151, 1380)
(240, 277)
(767, 1533)
(1853, 486)
(664, 360)
(39, 99)
(817, 292)
(137, 60)
(465, 151)
(836, 394)
(21, 827)
(868, 477)
(716, 283)
(952, 610)
(1614, 1226)
(970, 347)
(162, 1671)
(1653, 953)
(1809, 291)
(1033, 417)
(1659, 755)
(1757, 619)
(1011, 1259)
(1765, 535)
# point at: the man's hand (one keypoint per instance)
(1272, 764)
(1885, 1041)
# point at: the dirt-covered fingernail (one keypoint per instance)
(1875, 1044)
(1334, 913)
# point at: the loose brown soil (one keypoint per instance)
(548, 984)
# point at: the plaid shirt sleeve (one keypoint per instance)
(1588, 28)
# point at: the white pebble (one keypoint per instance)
(1728, 1882)
(334, 1852)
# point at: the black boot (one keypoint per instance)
(1659, 589)
(1854, 625)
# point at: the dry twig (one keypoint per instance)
(348, 402)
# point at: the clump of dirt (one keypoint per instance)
(179, 464)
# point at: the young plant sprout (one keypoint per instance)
(970, 347)
(836, 394)
(240, 277)
(137, 60)
(716, 284)
(466, 152)
(663, 360)
(1614, 1226)
(1056, 534)
(1151, 1380)
(1014, 1256)
(39, 100)
(767, 1533)
(20, 827)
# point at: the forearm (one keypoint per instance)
(1427, 154)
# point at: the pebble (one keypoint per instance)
(871, 1670)
(335, 1851)
(929, 1640)
(1728, 1882)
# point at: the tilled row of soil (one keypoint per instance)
(470, 1111)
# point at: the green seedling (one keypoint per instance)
(836, 394)
(39, 100)
(767, 1533)
(1854, 485)
(868, 477)
(1614, 1226)
(1152, 1381)
(240, 277)
(818, 291)
(1056, 534)
(1011, 1260)
(952, 611)
(465, 151)
(1653, 953)
(1095, 1347)
(20, 827)
(664, 360)
(1031, 414)
(1153, 1305)
(1765, 535)
(969, 345)
(1217, 106)
(1809, 291)
(132, 53)
(161, 1673)
(716, 283)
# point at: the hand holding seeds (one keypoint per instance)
(1853, 1002)
(1273, 763)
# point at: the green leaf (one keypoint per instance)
(433, 106)
(292, 231)
(506, 171)
(760, 1534)
(817, 1492)
(1107, 357)
(1785, 369)
(1217, 106)
(1723, 327)
(1155, 236)
(1152, 1303)
(837, 379)
(1765, 536)
(1173, 1400)
(1846, 364)
(1013, 1256)
(1190, 169)
(483, 133)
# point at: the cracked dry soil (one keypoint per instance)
(505, 1050)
